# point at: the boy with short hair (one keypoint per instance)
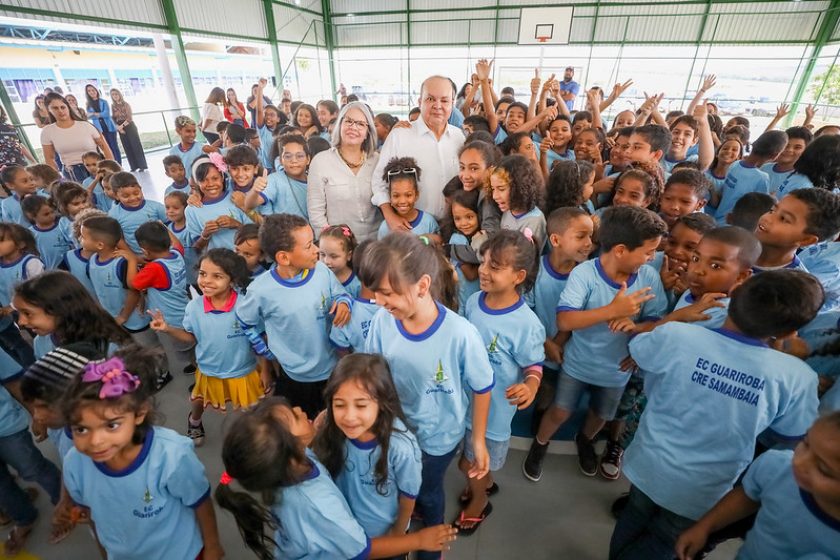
(600, 293)
(801, 218)
(745, 176)
(749, 208)
(685, 192)
(680, 245)
(97, 187)
(823, 259)
(474, 123)
(798, 139)
(708, 400)
(164, 280)
(91, 162)
(133, 209)
(686, 132)
(175, 170)
(649, 143)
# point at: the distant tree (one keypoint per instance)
(827, 86)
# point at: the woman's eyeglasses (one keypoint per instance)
(350, 123)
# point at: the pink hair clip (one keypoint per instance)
(528, 234)
(218, 161)
(346, 231)
(116, 381)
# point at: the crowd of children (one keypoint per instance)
(683, 279)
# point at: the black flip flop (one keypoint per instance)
(477, 521)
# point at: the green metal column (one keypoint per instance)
(832, 15)
(13, 117)
(329, 43)
(180, 56)
(271, 27)
(696, 52)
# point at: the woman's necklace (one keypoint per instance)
(352, 165)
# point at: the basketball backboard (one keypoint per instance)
(545, 26)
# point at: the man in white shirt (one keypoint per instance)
(433, 143)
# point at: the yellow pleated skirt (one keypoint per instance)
(240, 392)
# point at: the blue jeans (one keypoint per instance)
(76, 172)
(111, 139)
(15, 346)
(646, 531)
(19, 452)
(431, 500)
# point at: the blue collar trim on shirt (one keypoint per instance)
(550, 269)
(482, 304)
(175, 185)
(364, 444)
(78, 253)
(208, 201)
(176, 230)
(815, 509)
(295, 282)
(135, 209)
(13, 263)
(349, 279)
(188, 149)
(795, 263)
(630, 280)
(314, 472)
(747, 165)
(99, 262)
(518, 216)
(740, 337)
(416, 220)
(68, 432)
(135, 464)
(44, 230)
(428, 332)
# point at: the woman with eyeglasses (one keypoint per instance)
(340, 178)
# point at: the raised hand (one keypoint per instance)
(535, 82)
(618, 89)
(628, 305)
(483, 69)
(158, 322)
(782, 111)
(708, 83)
(261, 182)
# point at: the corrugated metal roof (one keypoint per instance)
(135, 11)
(221, 16)
(362, 6)
(721, 28)
(446, 4)
(296, 26)
(370, 35)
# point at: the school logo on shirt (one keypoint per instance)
(148, 510)
(322, 307)
(439, 378)
(493, 351)
(236, 330)
(147, 497)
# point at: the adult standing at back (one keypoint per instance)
(433, 143)
(100, 117)
(12, 151)
(69, 138)
(212, 114)
(569, 88)
(339, 190)
(124, 119)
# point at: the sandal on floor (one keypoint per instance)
(464, 499)
(17, 539)
(476, 521)
(60, 531)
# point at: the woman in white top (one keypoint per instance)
(212, 114)
(339, 189)
(69, 138)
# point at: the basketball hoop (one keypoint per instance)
(543, 39)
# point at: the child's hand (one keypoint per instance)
(623, 325)
(546, 145)
(691, 542)
(546, 87)
(628, 364)
(158, 322)
(437, 537)
(194, 200)
(483, 68)
(618, 89)
(120, 319)
(553, 351)
(520, 394)
(701, 113)
(320, 421)
(481, 464)
(6, 310)
(708, 83)
(792, 345)
(809, 114)
(261, 182)
(696, 311)
(342, 313)
(535, 82)
(549, 113)
(238, 200)
(670, 272)
(126, 254)
(210, 228)
(782, 111)
(39, 431)
(226, 222)
(628, 305)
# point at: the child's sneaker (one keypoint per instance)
(611, 461)
(532, 466)
(163, 379)
(587, 458)
(195, 433)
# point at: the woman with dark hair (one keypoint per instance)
(70, 138)
(130, 137)
(235, 109)
(40, 115)
(12, 152)
(212, 114)
(77, 112)
(100, 117)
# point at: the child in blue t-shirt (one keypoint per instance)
(602, 303)
(801, 218)
(351, 337)
(100, 179)
(265, 452)
(403, 176)
(174, 169)
(336, 247)
(514, 338)
(686, 192)
(51, 241)
(285, 191)
(17, 179)
(143, 477)
(132, 209)
(364, 444)
(70, 199)
(570, 243)
(188, 149)
(462, 225)
(216, 218)
(515, 186)
(795, 495)
(745, 176)
(244, 175)
(729, 151)
(175, 204)
(437, 358)
(266, 120)
(783, 167)
(247, 245)
(680, 462)
(294, 301)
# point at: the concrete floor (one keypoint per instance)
(566, 515)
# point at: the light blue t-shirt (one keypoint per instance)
(593, 354)
(352, 285)
(132, 218)
(175, 187)
(717, 315)
(16, 272)
(284, 195)
(191, 255)
(552, 156)
(668, 164)
(686, 454)
(546, 293)
(793, 182)
(466, 287)
(794, 264)
(108, 280)
(514, 339)
(776, 177)
(52, 244)
(13, 417)
(146, 510)
(424, 223)
(433, 371)
(790, 523)
(353, 334)
(211, 209)
(62, 439)
(823, 261)
(77, 265)
(830, 401)
(65, 226)
(172, 300)
(266, 142)
(376, 512)
(296, 314)
(741, 179)
(10, 211)
(717, 185)
(187, 156)
(315, 522)
(222, 349)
